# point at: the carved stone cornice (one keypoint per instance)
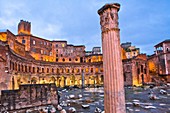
(114, 5)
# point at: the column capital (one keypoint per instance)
(109, 6)
(109, 16)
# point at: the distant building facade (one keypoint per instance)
(159, 63)
(130, 51)
(28, 59)
(135, 70)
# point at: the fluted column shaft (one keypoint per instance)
(114, 99)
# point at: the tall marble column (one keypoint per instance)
(114, 97)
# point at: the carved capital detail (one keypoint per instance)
(109, 17)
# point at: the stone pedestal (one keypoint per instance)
(114, 99)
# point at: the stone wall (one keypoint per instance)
(29, 95)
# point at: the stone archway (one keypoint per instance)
(34, 80)
(72, 80)
(67, 81)
(52, 80)
(62, 81)
(92, 80)
(102, 79)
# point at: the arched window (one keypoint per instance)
(22, 68)
(25, 68)
(42, 70)
(19, 67)
(33, 69)
(15, 66)
(47, 70)
(57, 70)
(38, 69)
(91, 70)
(29, 68)
(52, 70)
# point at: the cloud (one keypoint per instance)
(11, 13)
(144, 23)
(48, 30)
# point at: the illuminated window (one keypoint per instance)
(101, 69)
(34, 42)
(77, 70)
(41, 51)
(67, 70)
(63, 45)
(87, 70)
(96, 70)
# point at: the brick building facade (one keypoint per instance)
(159, 63)
(26, 59)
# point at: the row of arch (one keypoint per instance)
(60, 81)
(53, 70)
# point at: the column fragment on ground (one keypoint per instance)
(114, 97)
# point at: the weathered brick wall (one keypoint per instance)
(29, 95)
(4, 76)
(127, 72)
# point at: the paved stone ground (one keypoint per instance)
(140, 95)
(95, 98)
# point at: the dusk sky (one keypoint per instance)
(142, 22)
